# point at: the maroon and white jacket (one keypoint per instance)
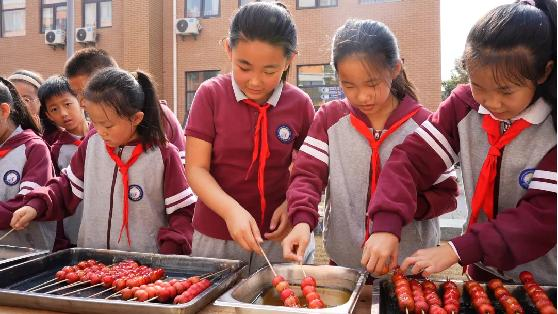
(336, 155)
(25, 166)
(523, 234)
(159, 199)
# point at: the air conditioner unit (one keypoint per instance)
(55, 37)
(85, 34)
(188, 26)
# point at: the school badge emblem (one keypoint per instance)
(135, 193)
(12, 177)
(525, 177)
(284, 134)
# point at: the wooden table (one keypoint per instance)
(362, 307)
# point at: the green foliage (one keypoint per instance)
(458, 76)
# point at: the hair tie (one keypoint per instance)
(530, 2)
(26, 78)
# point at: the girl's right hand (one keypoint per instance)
(244, 229)
(295, 243)
(22, 217)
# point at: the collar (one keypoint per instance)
(534, 114)
(14, 133)
(273, 100)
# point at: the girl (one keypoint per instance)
(500, 128)
(27, 84)
(25, 164)
(241, 133)
(348, 142)
(131, 181)
(61, 109)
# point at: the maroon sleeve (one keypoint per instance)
(440, 199)
(176, 238)
(308, 117)
(517, 235)
(415, 165)
(173, 130)
(55, 153)
(200, 122)
(310, 174)
(61, 195)
(36, 172)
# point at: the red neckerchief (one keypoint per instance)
(484, 191)
(375, 166)
(4, 152)
(261, 145)
(123, 168)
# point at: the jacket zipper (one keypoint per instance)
(114, 175)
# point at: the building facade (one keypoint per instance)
(139, 35)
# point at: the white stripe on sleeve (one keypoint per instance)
(187, 202)
(542, 174)
(73, 177)
(28, 184)
(543, 186)
(317, 143)
(450, 173)
(315, 153)
(179, 196)
(441, 138)
(439, 150)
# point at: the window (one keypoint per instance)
(193, 81)
(202, 8)
(243, 2)
(13, 18)
(305, 4)
(53, 15)
(97, 13)
(319, 82)
(376, 1)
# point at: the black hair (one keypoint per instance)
(87, 61)
(517, 40)
(18, 113)
(35, 79)
(266, 22)
(378, 45)
(55, 85)
(129, 93)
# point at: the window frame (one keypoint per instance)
(97, 12)
(202, 7)
(24, 9)
(316, 5)
(298, 66)
(54, 7)
(187, 91)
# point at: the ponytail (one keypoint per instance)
(548, 88)
(19, 113)
(401, 86)
(150, 129)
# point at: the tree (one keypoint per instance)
(458, 76)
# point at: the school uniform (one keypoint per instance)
(522, 199)
(222, 115)
(148, 214)
(173, 130)
(338, 153)
(62, 152)
(25, 164)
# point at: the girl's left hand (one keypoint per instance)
(279, 224)
(430, 261)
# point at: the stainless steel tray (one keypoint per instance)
(246, 295)
(12, 255)
(16, 279)
(384, 301)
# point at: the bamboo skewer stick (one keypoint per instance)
(82, 289)
(268, 262)
(47, 286)
(75, 284)
(40, 285)
(7, 233)
(100, 292)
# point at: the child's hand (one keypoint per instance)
(244, 229)
(380, 250)
(280, 224)
(432, 260)
(294, 245)
(22, 217)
